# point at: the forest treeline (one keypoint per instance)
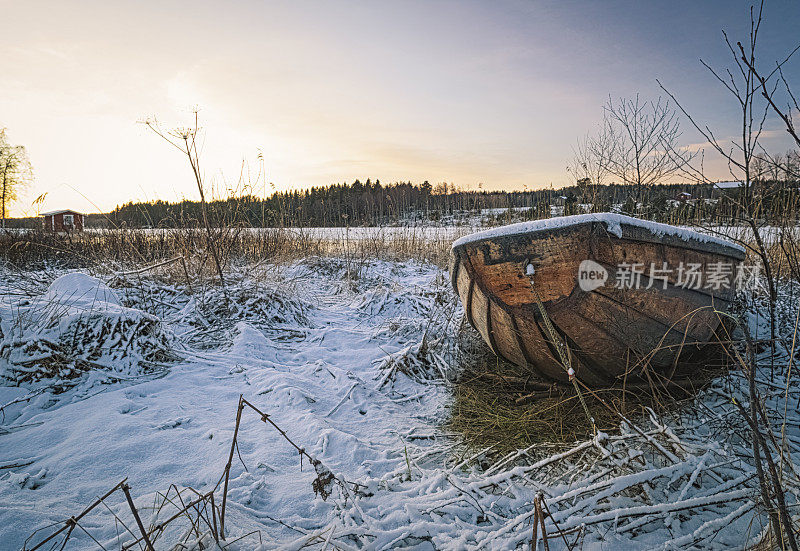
(371, 204)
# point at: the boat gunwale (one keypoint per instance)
(640, 233)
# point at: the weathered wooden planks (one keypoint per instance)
(609, 330)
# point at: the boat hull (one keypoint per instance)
(612, 331)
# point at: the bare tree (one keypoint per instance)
(638, 143)
(587, 168)
(741, 154)
(786, 114)
(763, 87)
(744, 164)
(15, 173)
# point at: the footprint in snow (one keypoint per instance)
(129, 408)
(133, 394)
(27, 480)
(173, 423)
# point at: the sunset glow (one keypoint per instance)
(462, 92)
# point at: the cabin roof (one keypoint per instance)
(728, 185)
(62, 211)
(612, 221)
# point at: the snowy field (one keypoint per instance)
(106, 378)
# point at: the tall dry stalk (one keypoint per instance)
(744, 163)
(184, 139)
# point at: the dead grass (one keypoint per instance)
(496, 403)
(133, 248)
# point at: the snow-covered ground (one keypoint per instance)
(353, 362)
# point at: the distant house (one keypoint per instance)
(683, 196)
(62, 220)
(726, 188)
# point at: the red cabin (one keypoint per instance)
(63, 220)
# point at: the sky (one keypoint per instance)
(472, 93)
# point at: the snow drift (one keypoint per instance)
(79, 324)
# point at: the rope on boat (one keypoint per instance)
(561, 347)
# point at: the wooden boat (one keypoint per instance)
(527, 286)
